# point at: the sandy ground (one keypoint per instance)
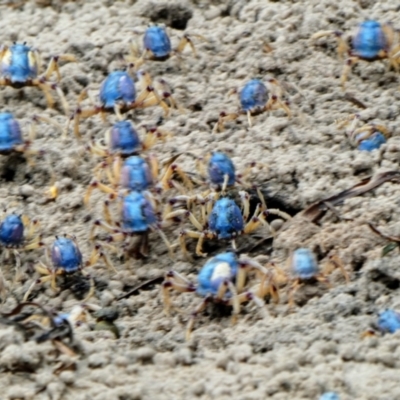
(290, 354)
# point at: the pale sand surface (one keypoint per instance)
(287, 355)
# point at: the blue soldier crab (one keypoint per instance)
(138, 174)
(217, 170)
(157, 46)
(11, 141)
(388, 321)
(41, 324)
(222, 219)
(17, 234)
(11, 137)
(372, 41)
(118, 94)
(135, 174)
(20, 67)
(123, 140)
(368, 137)
(223, 279)
(220, 172)
(138, 218)
(256, 97)
(304, 268)
(66, 259)
(329, 396)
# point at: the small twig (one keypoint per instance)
(142, 286)
(317, 210)
(387, 237)
(355, 101)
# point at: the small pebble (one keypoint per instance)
(26, 190)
